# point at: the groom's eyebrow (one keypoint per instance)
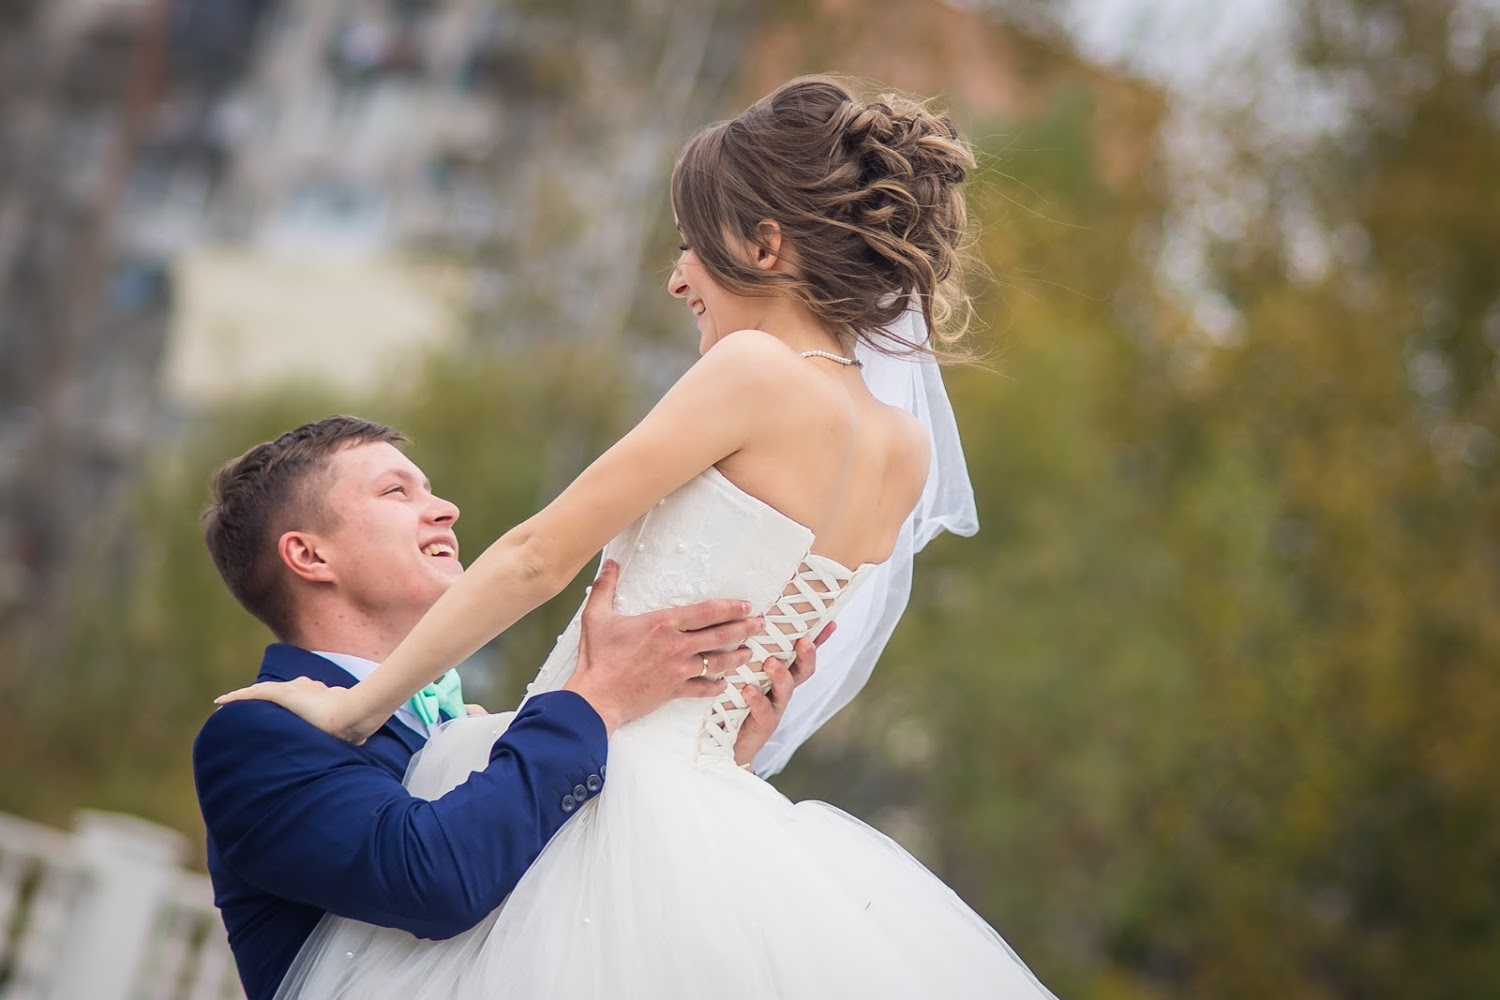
(405, 476)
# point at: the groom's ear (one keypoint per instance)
(299, 551)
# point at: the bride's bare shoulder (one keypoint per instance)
(753, 360)
(911, 452)
(744, 346)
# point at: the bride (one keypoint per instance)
(820, 243)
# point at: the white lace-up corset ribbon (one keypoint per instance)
(810, 600)
(711, 540)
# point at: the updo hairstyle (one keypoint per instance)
(867, 195)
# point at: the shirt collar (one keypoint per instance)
(356, 666)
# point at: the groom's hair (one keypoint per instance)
(271, 489)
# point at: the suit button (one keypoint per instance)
(601, 770)
(580, 793)
(569, 803)
(593, 782)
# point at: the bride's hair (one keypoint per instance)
(868, 196)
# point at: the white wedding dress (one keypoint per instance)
(687, 877)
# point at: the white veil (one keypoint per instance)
(913, 382)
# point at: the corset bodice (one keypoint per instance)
(711, 540)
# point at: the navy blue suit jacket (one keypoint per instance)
(301, 823)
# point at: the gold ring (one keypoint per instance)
(704, 671)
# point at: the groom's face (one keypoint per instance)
(390, 543)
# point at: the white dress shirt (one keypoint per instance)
(359, 668)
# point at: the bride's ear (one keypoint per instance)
(767, 244)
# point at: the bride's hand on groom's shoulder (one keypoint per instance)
(767, 709)
(328, 708)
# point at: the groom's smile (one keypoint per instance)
(441, 550)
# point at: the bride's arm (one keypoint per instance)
(708, 415)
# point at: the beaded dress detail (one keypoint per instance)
(686, 876)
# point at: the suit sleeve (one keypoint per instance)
(309, 818)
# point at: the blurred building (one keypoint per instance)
(371, 138)
(200, 199)
(356, 123)
(347, 133)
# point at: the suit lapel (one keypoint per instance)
(283, 662)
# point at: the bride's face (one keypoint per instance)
(717, 311)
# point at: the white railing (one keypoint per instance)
(107, 913)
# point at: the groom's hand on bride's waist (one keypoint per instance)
(631, 665)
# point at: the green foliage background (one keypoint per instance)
(1207, 709)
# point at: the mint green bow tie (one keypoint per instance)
(443, 695)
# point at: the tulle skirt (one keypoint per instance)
(681, 879)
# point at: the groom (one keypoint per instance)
(333, 538)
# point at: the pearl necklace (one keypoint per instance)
(830, 356)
